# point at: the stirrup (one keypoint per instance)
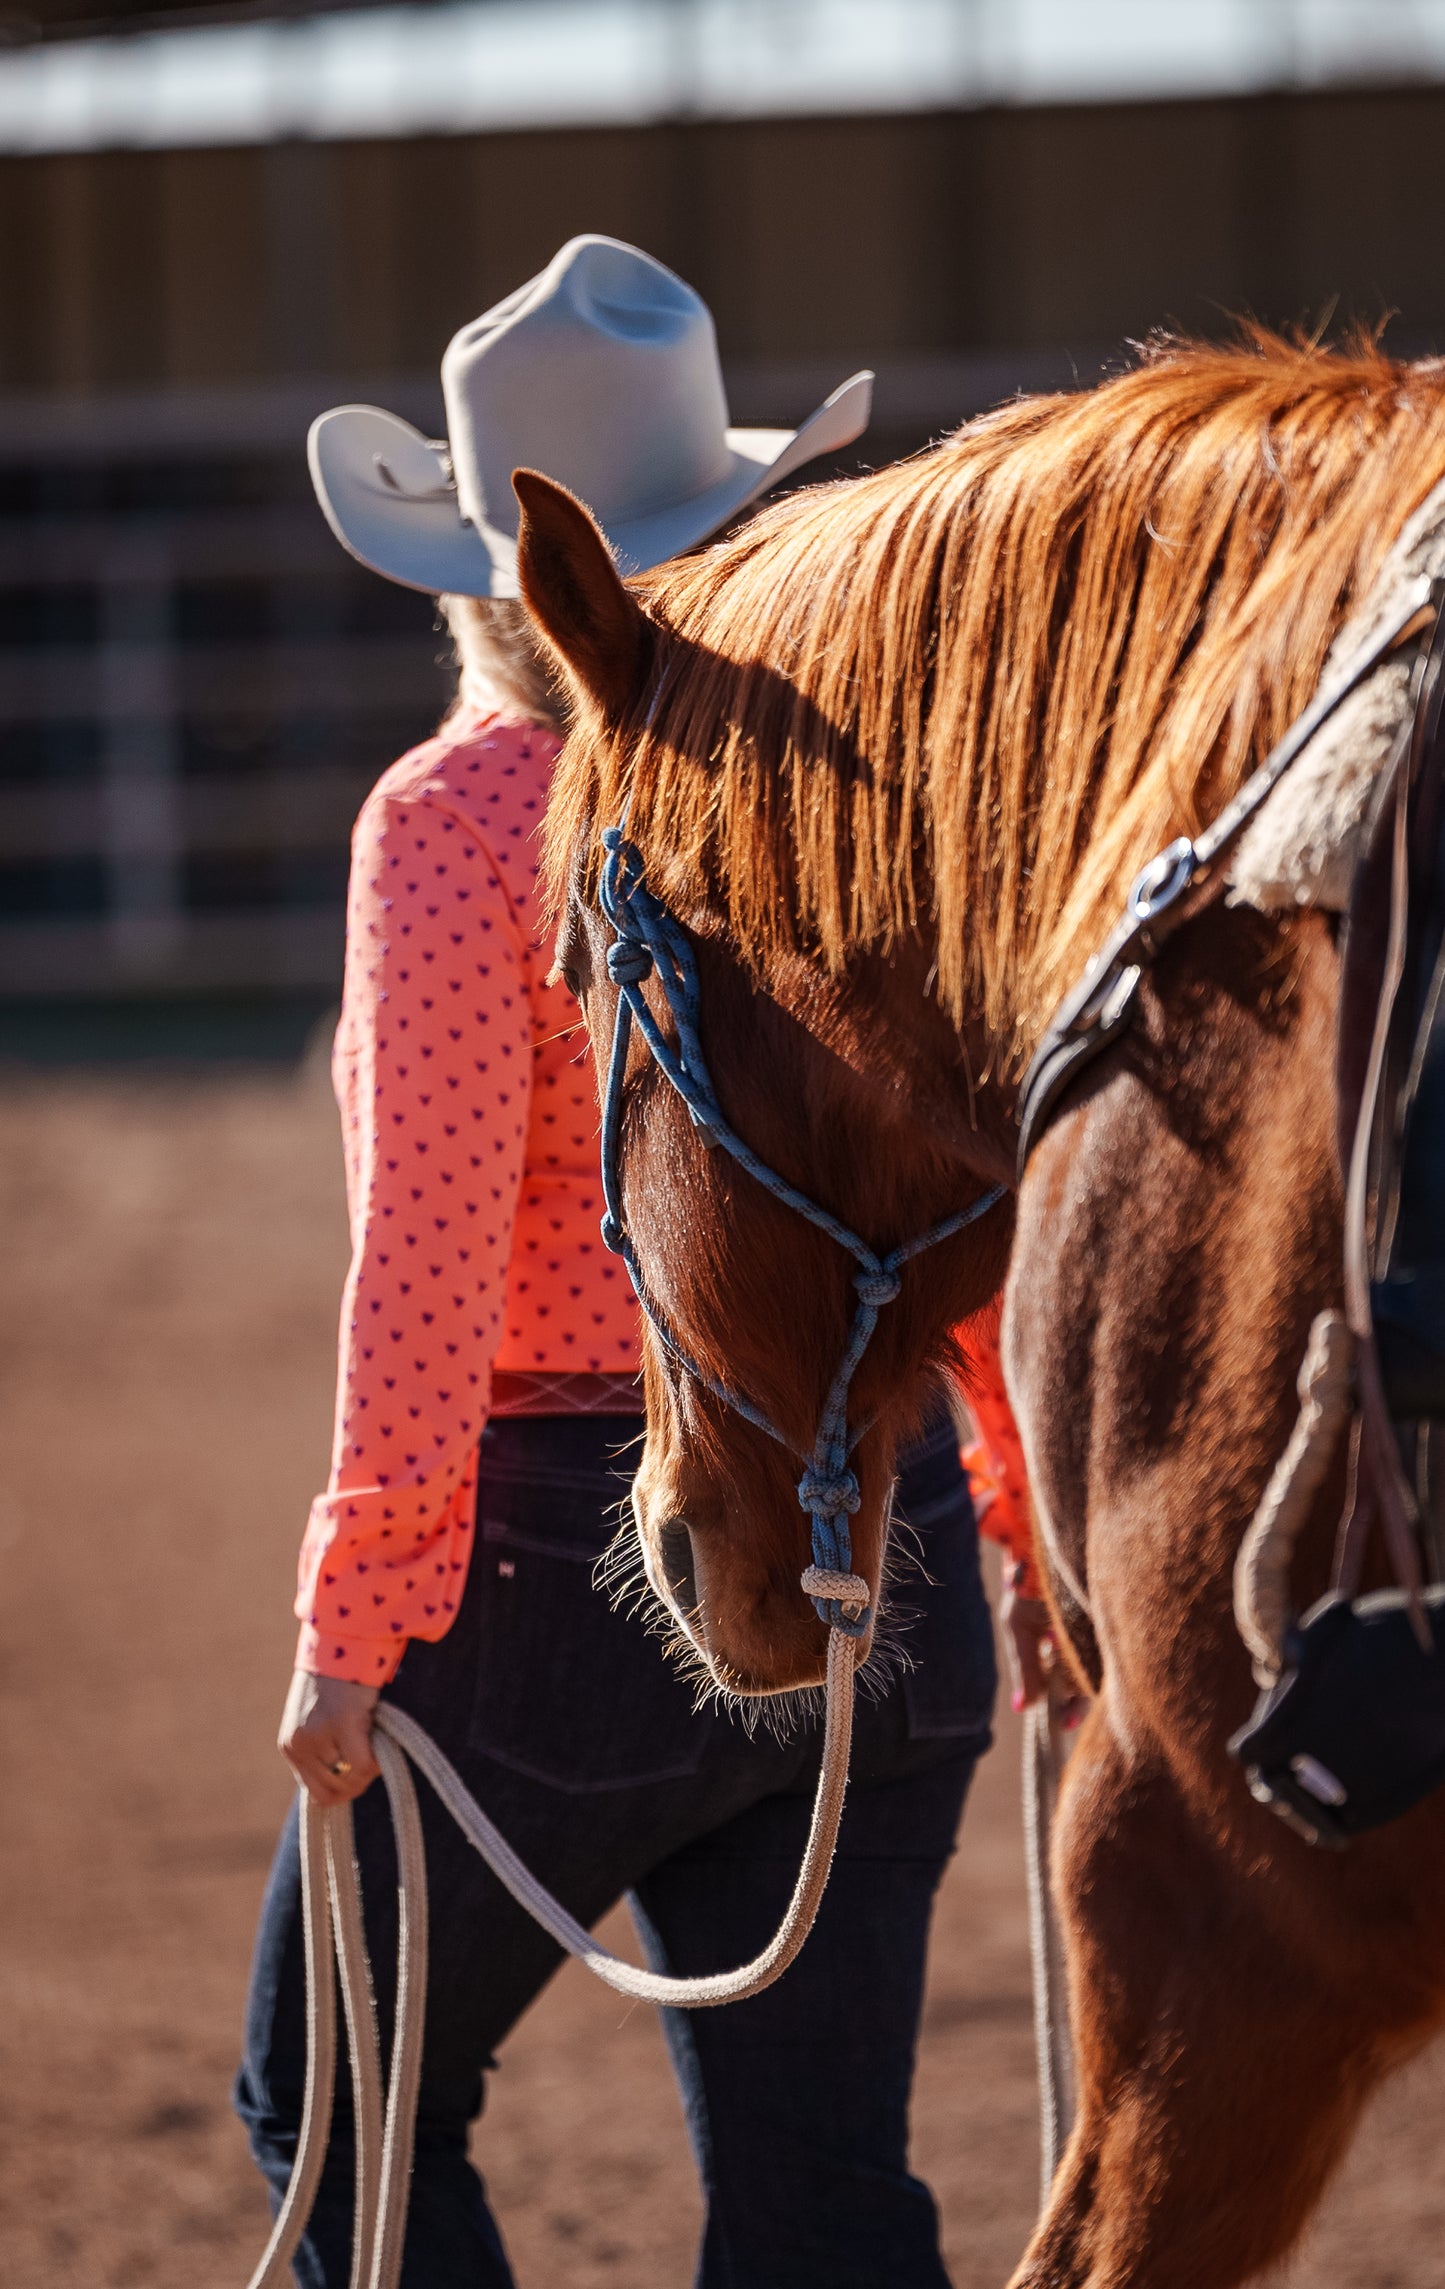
(1353, 1733)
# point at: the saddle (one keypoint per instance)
(1352, 1732)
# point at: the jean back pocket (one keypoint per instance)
(569, 1691)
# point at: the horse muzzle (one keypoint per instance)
(757, 1639)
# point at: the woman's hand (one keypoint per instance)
(325, 1736)
(1035, 1669)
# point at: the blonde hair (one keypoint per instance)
(966, 697)
(500, 661)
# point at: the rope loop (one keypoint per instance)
(825, 1585)
(613, 1234)
(876, 1288)
(829, 1495)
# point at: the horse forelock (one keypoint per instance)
(966, 695)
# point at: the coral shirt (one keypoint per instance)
(995, 1462)
(470, 1123)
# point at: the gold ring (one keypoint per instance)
(341, 1768)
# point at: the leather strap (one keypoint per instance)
(1381, 996)
(1177, 885)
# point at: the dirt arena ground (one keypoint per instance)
(173, 1254)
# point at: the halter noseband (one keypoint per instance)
(649, 941)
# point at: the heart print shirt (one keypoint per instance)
(470, 1124)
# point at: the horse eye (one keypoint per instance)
(569, 958)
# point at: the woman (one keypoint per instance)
(488, 1402)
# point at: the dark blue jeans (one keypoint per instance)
(574, 1731)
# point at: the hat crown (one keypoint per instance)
(603, 373)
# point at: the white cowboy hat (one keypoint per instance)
(601, 372)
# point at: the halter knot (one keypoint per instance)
(876, 1288)
(613, 1235)
(628, 961)
(823, 1496)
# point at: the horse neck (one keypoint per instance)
(1175, 1240)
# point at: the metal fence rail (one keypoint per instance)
(197, 687)
(196, 691)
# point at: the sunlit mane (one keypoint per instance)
(966, 696)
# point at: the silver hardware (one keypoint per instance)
(1114, 994)
(1164, 879)
(1318, 1780)
(393, 483)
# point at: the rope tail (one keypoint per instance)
(335, 1937)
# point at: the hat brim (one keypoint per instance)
(387, 495)
(761, 458)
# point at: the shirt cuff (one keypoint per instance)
(360, 1660)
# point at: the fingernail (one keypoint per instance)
(1016, 1700)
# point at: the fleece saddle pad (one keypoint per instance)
(1303, 848)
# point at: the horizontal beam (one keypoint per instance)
(200, 953)
(287, 675)
(272, 811)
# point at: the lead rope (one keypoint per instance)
(334, 1938)
(648, 940)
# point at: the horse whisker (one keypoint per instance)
(621, 1575)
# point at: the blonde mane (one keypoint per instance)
(966, 697)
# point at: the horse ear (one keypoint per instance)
(571, 588)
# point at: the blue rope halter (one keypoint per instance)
(649, 941)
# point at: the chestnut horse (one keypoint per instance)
(891, 755)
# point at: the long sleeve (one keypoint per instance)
(433, 1071)
(995, 1463)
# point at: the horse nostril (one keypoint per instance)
(677, 1566)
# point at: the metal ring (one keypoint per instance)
(1164, 879)
(341, 1768)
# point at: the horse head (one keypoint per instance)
(854, 1088)
(884, 755)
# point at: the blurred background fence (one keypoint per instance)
(197, 686)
